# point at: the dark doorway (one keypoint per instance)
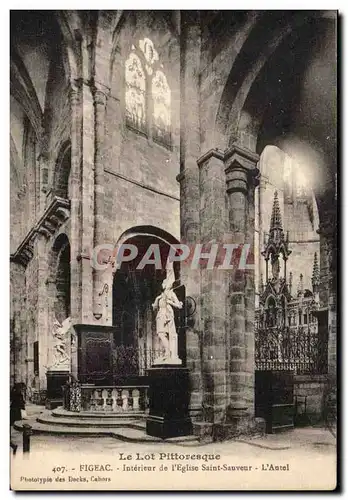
(134, 291)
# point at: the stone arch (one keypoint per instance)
(57, 111)
(265, 107)
(252, 87)
(123, 17)
(22, 89)
(299, 213)
(151, 231)
(135, 289)
(59, 278)
(71, 53)
(245, 70)
(130, 30)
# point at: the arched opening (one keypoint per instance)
(60, 282)
(135, 287)
(63, 284)
(290, 178)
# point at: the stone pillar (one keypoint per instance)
(328, 283)
(30, 163)
(241, 174)
(43, 169)
(76, 203)
(18, 324)
(100, 99)
(189, 191)
(76, 212)
(42, 310)
(213, 226)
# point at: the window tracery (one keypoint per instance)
(135, 93)
(147, 94)
(161, 107)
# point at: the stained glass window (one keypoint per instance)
(150, 53)
(135, 93)
(161, 96)
(148, 94)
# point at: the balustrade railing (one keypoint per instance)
(105, 399)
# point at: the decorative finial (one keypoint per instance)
(316, 273)
(300, 285)
(276, 219)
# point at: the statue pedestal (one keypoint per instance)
(169, 398)
(94, 358)
(55, 381)
(167, 362)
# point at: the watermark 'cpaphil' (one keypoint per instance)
(221, 256)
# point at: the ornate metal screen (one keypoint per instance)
(132, 360)
(298, 349)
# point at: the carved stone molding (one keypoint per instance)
(54, 216)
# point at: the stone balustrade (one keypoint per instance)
(109, 399)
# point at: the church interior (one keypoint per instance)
(159, 128)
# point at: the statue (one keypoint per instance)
(165, 325)
(61, 347)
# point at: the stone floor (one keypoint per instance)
(316, 439)
(311, 453)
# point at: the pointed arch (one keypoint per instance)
(71, 50)
(22, 89)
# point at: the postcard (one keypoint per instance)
(173, 241)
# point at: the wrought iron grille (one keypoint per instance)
(300, 349)
(132, 360)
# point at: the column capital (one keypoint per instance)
(241, 169)
(43, 156)
(75, 90)
(242, 155)
(212, 153)
(100, 93)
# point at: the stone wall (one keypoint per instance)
(18, 325)
(140, 175)
(121, 178)
(311, 387)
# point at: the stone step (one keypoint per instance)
(61, 413)
(49, 419)
(122, 433)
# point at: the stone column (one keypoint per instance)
(42, 309)
(18, 307)
(76, 214)
(30, 161)
(190, 40)
(43, 169)
(213, 226)
(100, 93)
(76, 202)
(328, 283)
(241, 173)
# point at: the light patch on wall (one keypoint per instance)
(161, 100)
(308, 164)
(135, 92)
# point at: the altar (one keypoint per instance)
(126, 380)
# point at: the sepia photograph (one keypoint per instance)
(173, 250)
